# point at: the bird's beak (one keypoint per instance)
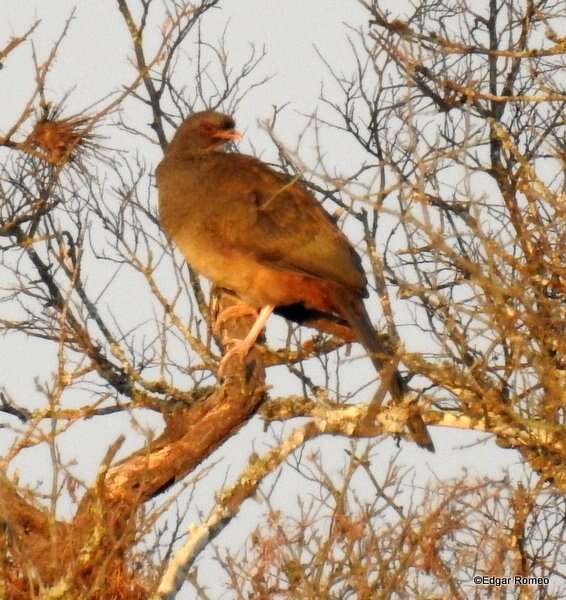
(228, 134)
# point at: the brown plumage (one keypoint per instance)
(265, 237)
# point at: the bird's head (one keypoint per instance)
(204, 132)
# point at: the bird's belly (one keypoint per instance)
(214, 261)
(256, 282)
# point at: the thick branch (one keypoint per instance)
(191, 434)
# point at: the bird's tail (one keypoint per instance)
(380, 352)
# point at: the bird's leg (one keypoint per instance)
(233, 312)
(241, 348)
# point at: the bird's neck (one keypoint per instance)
(182, 149)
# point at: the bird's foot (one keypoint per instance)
(236, 311)
(239, 350)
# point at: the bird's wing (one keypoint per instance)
(276, 219)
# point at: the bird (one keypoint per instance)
(263, 236)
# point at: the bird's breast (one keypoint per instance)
(218, 262)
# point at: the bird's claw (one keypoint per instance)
(239, 349)
(233, 312)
